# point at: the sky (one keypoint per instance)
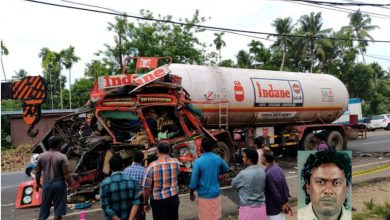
(26, 27)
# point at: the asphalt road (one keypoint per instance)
(378, 141)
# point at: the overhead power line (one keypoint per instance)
(345, 10)
(205, 26)
(376, 57)
(343, 3)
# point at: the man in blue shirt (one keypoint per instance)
(204, 179)
(137, 172)
(119, 193)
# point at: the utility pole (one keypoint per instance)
(51, 86)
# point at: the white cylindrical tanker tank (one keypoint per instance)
(263, 97)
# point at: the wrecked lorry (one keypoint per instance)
(126, 113)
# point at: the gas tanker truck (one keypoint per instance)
(286, 108)
(181, 104)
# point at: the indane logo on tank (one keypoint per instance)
(277, 92)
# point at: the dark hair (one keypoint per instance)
(258, 141)
(54, 142)
(116, 163)
(163, 148)
(251, 155)
(269, 156)
(208, 144)
(341, 159)
(138, 156)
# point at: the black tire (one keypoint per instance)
(224, 151)
(28, 171)
(309, 142)
(336, 140)
(388, 127)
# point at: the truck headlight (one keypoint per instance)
(28, 190)
(27, 199)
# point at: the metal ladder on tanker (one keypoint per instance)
(224, 115)
(223, 107)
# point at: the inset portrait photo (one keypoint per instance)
(324, 185)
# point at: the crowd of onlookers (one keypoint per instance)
(129, 194)
(262, 187)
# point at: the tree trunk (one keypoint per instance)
(62, 104)
(361, 52)
(284, 57)
(220, 57)
(70, 89)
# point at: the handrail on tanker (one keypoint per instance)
(144, 63)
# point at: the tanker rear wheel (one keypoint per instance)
(223, 151)
(309, 142)
(335, 139)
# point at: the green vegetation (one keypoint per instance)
(319, 50)
(373, 211)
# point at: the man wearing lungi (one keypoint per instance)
(250, 183)
(204, 180)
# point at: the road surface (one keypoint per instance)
(378, 141)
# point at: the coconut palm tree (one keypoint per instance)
(68, 58)
(359, 26)
(51, 63)
(243, 59)
(283, 27)
(312, 43)
(4, 51)
(20, 74)
(219, 43)
(255, 48)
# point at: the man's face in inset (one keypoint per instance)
(327, 189)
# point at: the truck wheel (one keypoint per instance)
(309, 142)
(223, 151)
(335, 139)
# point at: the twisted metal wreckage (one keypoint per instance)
(126, 113)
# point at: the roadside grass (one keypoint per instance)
(373, 211)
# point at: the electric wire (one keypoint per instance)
(209, 27)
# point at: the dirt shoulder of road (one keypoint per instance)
(377, 189)
(15, 159)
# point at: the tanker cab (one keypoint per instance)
(166, 123)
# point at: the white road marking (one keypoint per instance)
(374, 163)
(376, 142)
(10, 173)
(11, 204)
(78, 213)
(11, 186)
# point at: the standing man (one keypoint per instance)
(161, 185)
(326, 176)
(204, 179)
(276, 189)
(137, 172)
(259, 145)
(250, 183)
(55, 167)
(119, 193)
